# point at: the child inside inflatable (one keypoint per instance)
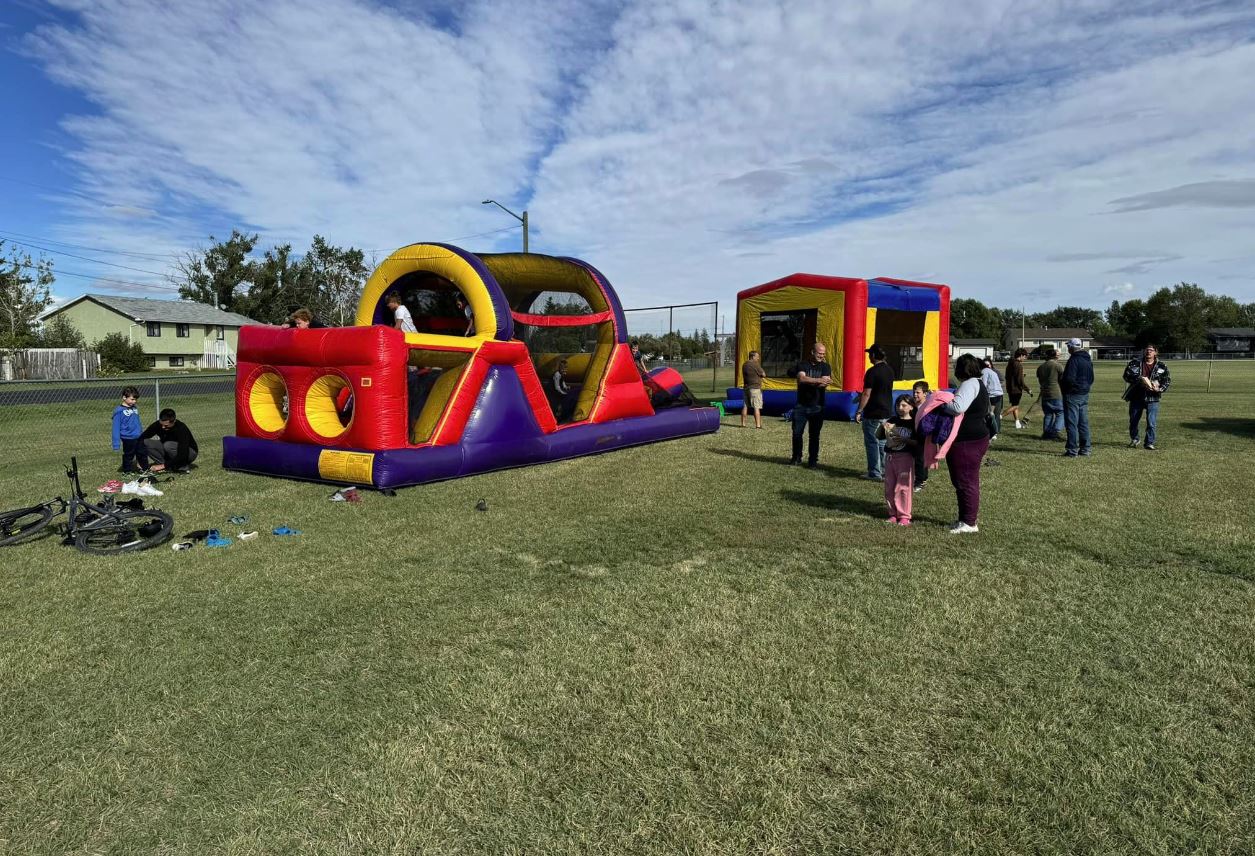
(515, 359)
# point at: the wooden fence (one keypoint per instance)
(49, 364)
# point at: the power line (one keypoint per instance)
(151, 256)
(127, 283)
(84, 258)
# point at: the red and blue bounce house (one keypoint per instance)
(784, 318)
(471, 391)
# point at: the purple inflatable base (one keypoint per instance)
(401, 467)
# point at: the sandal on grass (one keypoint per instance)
(216, 540)
(283, 530)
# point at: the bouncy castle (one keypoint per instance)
(516, 359)
(783, 320)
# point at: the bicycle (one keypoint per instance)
(100, 529)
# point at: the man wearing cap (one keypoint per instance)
(1077, 378)
(875, 405)
(813, 377)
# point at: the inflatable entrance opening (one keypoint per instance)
(517, 359)
(783, 320)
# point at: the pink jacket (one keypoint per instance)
(932, 452)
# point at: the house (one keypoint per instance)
(1034, 338)
(979, 348)
(1113, 348)
(1231, 339)
(173, 333)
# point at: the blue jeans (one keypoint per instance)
(813, 416)
(1136, 408)
(1052, 417)
(1076, 418)
(875, 448)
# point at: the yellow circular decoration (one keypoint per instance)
(268, 401)
(321, 409)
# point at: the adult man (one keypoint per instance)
(752, 375)
(875, 405)
(813, 377)
(169, 443)
(1077, 378)
(1051, 398)
(1148, 380)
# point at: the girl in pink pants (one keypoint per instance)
(900, 441)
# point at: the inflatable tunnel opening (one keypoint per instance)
(432, 301)
(901, 334)
(570, 361)
(431, 378)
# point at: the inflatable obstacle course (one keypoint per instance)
(471, 391)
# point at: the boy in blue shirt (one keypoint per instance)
(126, 431)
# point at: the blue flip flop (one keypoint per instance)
(238, 519)
(216, 540)
(283, 530)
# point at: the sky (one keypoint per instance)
(1028, 154)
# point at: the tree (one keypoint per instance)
(338, 275)
(25, 291)
(213, 275)
(119, 355)
(1071, 316)
(971, 319)
(59, 332)
(279, 285)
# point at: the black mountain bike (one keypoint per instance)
(102, 529)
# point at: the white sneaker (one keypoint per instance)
(146, 489)
(131, 487)
(961, 528)
(1019, 424)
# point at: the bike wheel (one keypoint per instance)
(125, 532)
(23, 523)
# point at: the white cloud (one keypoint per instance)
(688, 149)
(1119, 290)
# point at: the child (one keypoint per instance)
(899, 435)
(126, 431)
(919, 392)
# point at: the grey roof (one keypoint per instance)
(1232, 332)
(990, 342)
(173, 311)
(1053, 333)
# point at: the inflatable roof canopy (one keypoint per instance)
(472, 390)
(783, 319)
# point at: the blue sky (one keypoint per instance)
(1027, 153)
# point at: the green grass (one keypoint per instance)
(683, 648)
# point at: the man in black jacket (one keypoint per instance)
(1148, 380)
(169, 443)
(1078, 377)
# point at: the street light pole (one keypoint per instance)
(522, 219)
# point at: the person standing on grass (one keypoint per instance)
(898, 433)
(126, 431)
(813, 377)
(1148, 380)
(993, 383)
(1016, 386)
(919, 394)
(169, 443)
(1048, 391)
(1076, 382)
(875, 405)
(752, 375)
(971, 441)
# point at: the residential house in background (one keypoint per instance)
(1055, 337)
(1230, 340)
(1113, 348)
(173, 333)
(979, 348)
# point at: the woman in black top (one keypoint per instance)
(971, 441)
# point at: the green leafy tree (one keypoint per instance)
(280, 284)
(60, 332)
(119, 355)
(971, 319)
(25, 292)
(338, 275)
(215, 275)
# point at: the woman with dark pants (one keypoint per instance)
(971, 441)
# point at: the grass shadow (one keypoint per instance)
(783, 460)
(854, 506)
(1223, 424)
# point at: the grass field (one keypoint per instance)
(683, 648)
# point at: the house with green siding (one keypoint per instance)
(174, 333)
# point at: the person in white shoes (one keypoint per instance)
(1016, 386)
(971, 441)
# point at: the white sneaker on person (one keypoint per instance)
(146, 489)
(961, 528)
(1019, 424)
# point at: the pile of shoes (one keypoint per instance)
(346, 494)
